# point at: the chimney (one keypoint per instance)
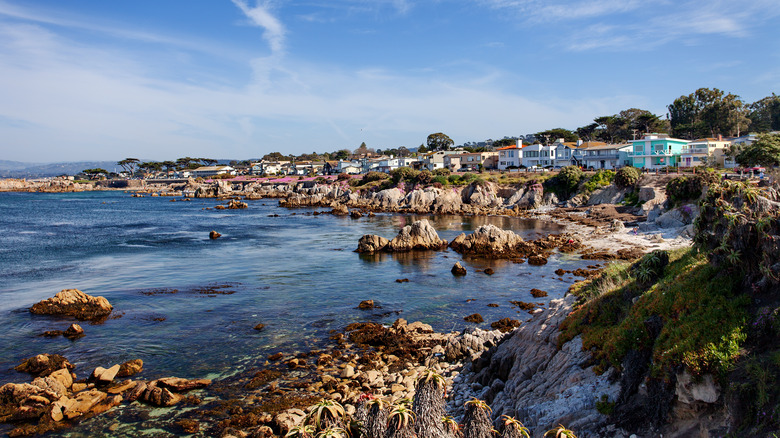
(720, 137)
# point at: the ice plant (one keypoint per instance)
(560, 432)
(327, 412)
(301, 431)
(400, 422)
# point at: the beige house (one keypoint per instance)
(704, 152)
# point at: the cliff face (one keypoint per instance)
(52, 186)
(529, 378)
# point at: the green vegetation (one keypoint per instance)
(703, 316)
(690, 187)
(764, 152)
(565, 183)
(601, 178)
(627, 177)
(439, 142)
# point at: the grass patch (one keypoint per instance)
(703, 318)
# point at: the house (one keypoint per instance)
(738, 142)
(509, 157)
(304, 168)
(388, 165)
(269, 167)
(597, 155)
(453, 162)
(705, 152)
(330, 168)
(435, 160)
(538, 155)
(656, 151)
(474, 160)
(207, 171)
(349, 167)
(567, 153)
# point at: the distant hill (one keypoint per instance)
(16, 169)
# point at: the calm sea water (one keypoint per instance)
(188, 304)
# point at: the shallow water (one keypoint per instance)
(188, 304)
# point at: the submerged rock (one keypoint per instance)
(44, 364)
(366, 305)
(73, 302)
(130, 368)
(74, 331)
(214, 235)
(475, 318)
(458, 269)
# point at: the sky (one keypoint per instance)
(237, 79)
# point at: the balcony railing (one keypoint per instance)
(652, 153)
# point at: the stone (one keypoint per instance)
(348, 372)
(214, 235)
(235, 204)
(260, 326)
(122, 387)
(489, 271)
(74, 331)
(505, 325)
(23, 401)
(44, 364)
(611, 194)
(366, 305)
(419, 236)
(103, 375)
(188, 426)
(73, 302)
(340, 210)
(475, 318)
(458, 270)
(130, 368)
(64, 377)
(181, 385)
(536, 293)
(371, 243)
(487, 240)
(537, 260)
(160, 396)
(82, 403)
(689, 391)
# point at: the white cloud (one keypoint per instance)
(260, 16)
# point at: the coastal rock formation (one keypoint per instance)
(419, 236)
(388, 198)
(458, 270)
(130, 368)
(487, 239)
(214, 235)
(611, 194)
(73, 302)
(528, 377)
(73, 332)
(44, 364)
(422, 200)
(371, 243)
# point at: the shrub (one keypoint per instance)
(374, 176)
(404, 174)
(454, 179)
(440, 179)
(443, 172)
(467, 177)
(565, 183)
(343, 177)
(600, 179)
(424, 177)
(627, 176)
(688, 187)
(322, 180)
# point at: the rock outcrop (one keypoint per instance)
(487, 239)
(371, 243)
(419, 236)
(75, 303)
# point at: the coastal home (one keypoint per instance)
(656, 151)
(349, 167)
(207, 171)
(388, 165)
(453, 162)
(303, 168)
(471, 161)
(705, 152)
(567, 153)
(737, 143)
(538, 155)
(598, 155)
(435, 160)
(509, 157)
(270, 167)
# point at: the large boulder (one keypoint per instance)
(611, 194)
(420, 235)
(422, 200)
(44, 364)
(448, 202)
(480, 194)
(488, 240)
(531, 199)
(73, 302)
(371, 243)
(388, 198)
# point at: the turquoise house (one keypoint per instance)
(656, 151)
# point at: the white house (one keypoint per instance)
(268, 167)
(435, 160)
(509, 157)
(207, 171)
(538, 155)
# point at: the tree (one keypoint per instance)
(586, 133)
(504, 142)
(421, 149)
(92, 173)
(129, 165)
(611, 128)
(707, 112)
(765, 114)
(554, 134)
(765, 151)
(439, 142)
(277, 156)
(363, 150)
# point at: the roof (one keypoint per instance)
(601, 146)
(210, 168)
(507, 147)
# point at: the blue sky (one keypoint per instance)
(158, 80)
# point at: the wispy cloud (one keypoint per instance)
(274, 30)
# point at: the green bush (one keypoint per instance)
(467, 177)
(690, 187)
(566, 182)
(404, 174)
(440, 179)
(443, 172)
(454, 179)
(627, 176)
(600, 179)
(374, 176)
(343, 177)
(424, 177)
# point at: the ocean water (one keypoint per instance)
(187, 305)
